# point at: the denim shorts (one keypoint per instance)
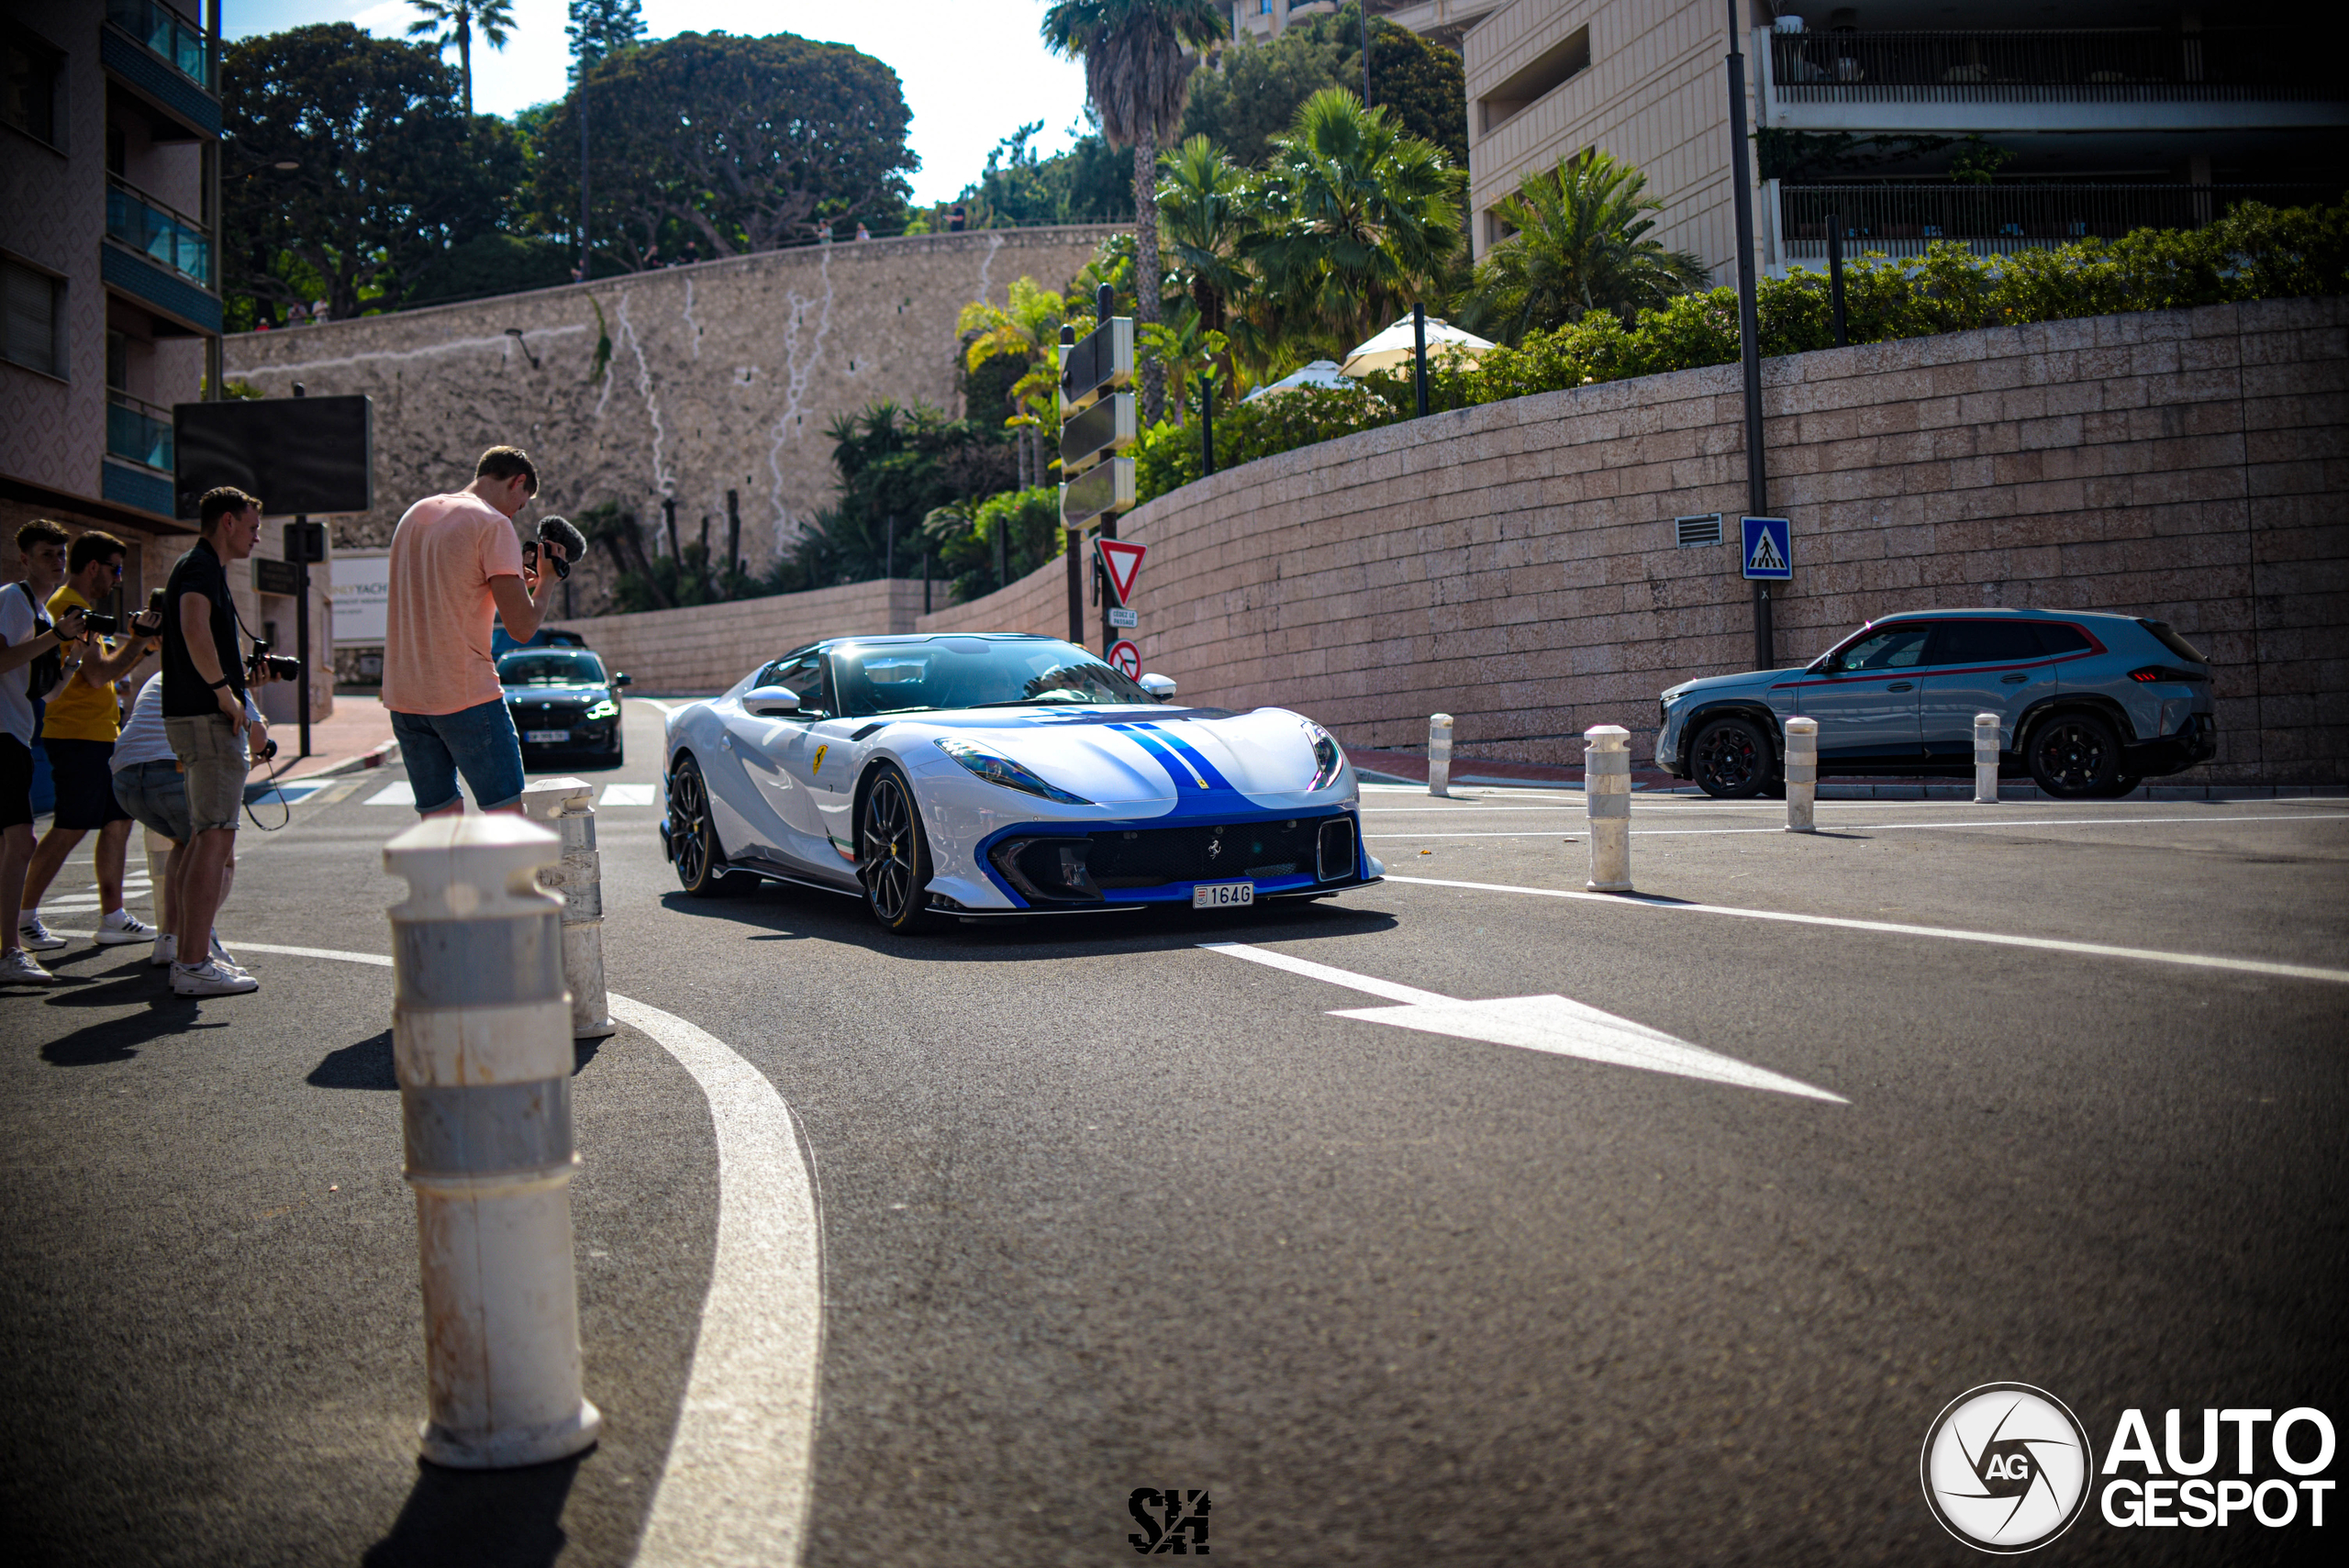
(479, 742)
(211, 750)
(155, 795)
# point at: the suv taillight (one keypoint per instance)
(2153, 672)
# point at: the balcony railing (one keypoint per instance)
(137, 431)
(1902, 220)
(154, 231)
(2109, 66)
(166, 33)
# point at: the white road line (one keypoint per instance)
(1897, 827)
(1996, 939)
(1557, 1025)
(663, 709)
(626, 794)
(400, 794)
(736, 1490)
(736, 1487)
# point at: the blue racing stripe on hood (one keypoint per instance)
(1190, 794)
(1190, 753)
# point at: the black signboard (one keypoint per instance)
(1107, 427)
(1102, 358)
(298, 454)
(1108, 487)
(275, 576)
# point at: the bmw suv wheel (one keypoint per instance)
(2074, 756)
(1731, 759)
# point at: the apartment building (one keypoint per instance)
(1999, 124)
(109, 202)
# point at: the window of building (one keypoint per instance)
(36, 318)
(1552, 70)
(32, 86)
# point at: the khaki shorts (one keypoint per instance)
(211, 751)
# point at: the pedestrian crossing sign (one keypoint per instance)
(1769, 550)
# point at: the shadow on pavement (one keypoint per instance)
(782, 912)
(479, 1519)
(366, 1065)
(118, 1038)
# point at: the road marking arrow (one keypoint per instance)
(1556, 1024)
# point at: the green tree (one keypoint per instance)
(389, 177)
(1356, 219)
(1025, 329)
(1581, 245)
(1206, 206)
(600, 27)
(450, 22)
(1018, 187)
(1253, 90)
(1417, 80)
(740, 144)
(1137, 77)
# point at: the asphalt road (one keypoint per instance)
(1105, 1209)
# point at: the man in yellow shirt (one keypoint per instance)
(78, 731)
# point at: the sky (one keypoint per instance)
(974, 69)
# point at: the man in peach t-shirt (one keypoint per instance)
(456, 567)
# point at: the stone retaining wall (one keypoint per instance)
(1514, 564)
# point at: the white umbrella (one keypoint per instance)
(1319, 373)
(1393, 348)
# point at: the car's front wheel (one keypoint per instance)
(892, 853)
(2074, 756)
(1731, 759)
(693, 838)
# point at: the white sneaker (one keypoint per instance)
(18, 967)
(33, 937)
(210, 980)
(167, 948)
(223, 957)
(121, 927)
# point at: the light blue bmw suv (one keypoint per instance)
(2089, 705)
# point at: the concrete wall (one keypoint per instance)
(721, 375)
(1514, 564)
(708, 648)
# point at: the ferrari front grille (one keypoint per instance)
(1084, 868)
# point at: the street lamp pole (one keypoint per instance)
(1749, 331)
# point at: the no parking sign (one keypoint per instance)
(1126, 659)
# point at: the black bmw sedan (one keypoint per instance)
(562, 702)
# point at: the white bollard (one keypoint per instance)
(1440, 753)
(1607, 797)
(1986, 759)
(1802, 774)
(481, 1039)
(568, 807)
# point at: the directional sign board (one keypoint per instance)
(1104, 487)
(1126, 659)
(1129, 619)
(1107, 427)
(1769, 548)
(1121, 561)
(1102, 361)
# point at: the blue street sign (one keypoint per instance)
(1769, 548)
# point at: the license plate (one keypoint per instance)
(1222, 894)
(545, 736)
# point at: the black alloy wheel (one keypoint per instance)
(692, 839)
(1731, 759)
(892, 853)
(2075, 756)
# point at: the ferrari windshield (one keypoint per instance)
(974, 672)
(550, 670)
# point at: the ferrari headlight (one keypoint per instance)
(1001, 770)
(608, 709)
(1327, 760)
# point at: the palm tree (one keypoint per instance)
(1357, 219)
(1139, 79)
(1028, 327)
(1206, 203)
(1581, 245)
(454, 21)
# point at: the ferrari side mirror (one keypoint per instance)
(1160, 686)
(770, 702)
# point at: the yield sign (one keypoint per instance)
(1123, 563)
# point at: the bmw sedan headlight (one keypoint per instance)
(1327, 760)
(607, 708)
(1001, 770)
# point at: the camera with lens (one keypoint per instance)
(280, 666)
(97, 625)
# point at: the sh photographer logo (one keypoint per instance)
(2006, 1467)
(1174, 1522)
